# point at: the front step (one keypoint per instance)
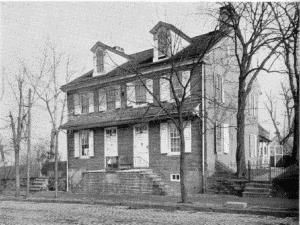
(257, 189)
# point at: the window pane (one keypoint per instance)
(140, 93)
(84, 144)
(99, 62)
(84, 100)
(174, 139)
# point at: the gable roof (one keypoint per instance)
(93, 49)
(143, 60)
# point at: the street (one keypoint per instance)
(14, 212)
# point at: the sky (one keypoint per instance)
(76, 26)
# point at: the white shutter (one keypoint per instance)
(91, 143)
(251, 145)
(188, 137)
(76, 144)
(118, 97)
(77, 104)
(226, 138)
(102, 100)
(186, 82)
(164, 90)
(149, 96)
(130, 94)
(164, 146)
(91, 102)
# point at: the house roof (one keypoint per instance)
(264, 135)
(122, 116)
(93, 49)
(142, 61)
(171, 27)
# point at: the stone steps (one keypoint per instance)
(257, 189)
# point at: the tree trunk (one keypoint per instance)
(295, 153)
(56, 164)
(182, 162)
(17, 165)
(240, 136)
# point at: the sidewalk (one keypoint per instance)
(279, 207)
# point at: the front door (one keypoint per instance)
(111, 142)
(141, 146)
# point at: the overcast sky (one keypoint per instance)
(77, 26)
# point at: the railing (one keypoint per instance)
(117, 163)
(256, 171)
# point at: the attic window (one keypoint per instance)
(164, 44)
(99, 61)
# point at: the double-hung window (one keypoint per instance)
(222, 138)
(100, 61)
(137, 93)
(110, 98)
(140, 93)
(84, 102)
(164, 43)
(84, 144)
(170, 138)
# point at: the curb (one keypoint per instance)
(171, 207)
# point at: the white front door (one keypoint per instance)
(111, 142)
(141, 146)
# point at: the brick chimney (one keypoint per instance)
(225, 16)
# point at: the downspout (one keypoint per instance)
(202, 129)
(205, 130)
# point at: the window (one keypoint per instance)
(219, 92)
(110, 98)
(252, 105)
(170, 139)
(175, 177)
(140, 93)
(164, 43)
(99, 61)
(180, 82)
(137, 94)
(174, 138)
(84, 144)
(222, 140)
(84, 102)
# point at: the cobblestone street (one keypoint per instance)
(53, 213)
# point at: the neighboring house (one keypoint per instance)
(280, 155)
(115, 123)
(48, 169)
(264, 149)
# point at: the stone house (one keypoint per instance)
(116, 122)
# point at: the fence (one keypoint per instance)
(255, 171)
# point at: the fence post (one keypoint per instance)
(249, 170)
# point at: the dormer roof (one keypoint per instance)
(93, 49)
(171, 27)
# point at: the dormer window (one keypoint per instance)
(100, 61)
(164, 44)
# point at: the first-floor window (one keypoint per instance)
(84, 143)
(175, 177)
(84, 138)
(170, 138)
(174, 138)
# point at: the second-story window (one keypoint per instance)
(137, 94)
(109, 98)
(219, 90)
(140, 93)
(84, 102)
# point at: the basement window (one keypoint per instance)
(175, 177)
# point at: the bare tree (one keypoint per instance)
(47, 87)
(287, 17)
(251, 27)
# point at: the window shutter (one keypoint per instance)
(164, 146)
(149, 96)
(91, 102)
(76, 144)
(186, 82)
(77, 104)
(91, 143)
(188, 137)
(226, 138)
(118, 97)
(164, 90)
(130, 94)
(102, 100)
(251, 145)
